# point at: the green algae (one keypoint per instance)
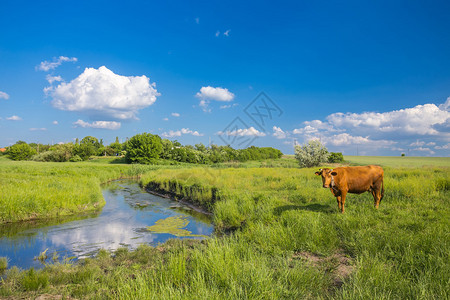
(173, 225)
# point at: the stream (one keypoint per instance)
(130, 217)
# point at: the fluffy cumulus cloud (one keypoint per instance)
(279, 133)
(343, 139)
(209, 93)
(251, 131)
(4, 95)
(57, 61)
(101, 92)
(181, 132)
(422, 127)
(111, 125)
(419, 120)
(52, 79)
(14, 118)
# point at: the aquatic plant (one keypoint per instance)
(173, 225)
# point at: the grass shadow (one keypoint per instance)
(316, 207)
(119, 160)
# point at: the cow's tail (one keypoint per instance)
(382, 189)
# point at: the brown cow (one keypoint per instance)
(354, 180)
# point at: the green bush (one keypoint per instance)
(21, 151)
(311, 154)
(75, 158)
(143, 148)
(88, 147)
(336, 157)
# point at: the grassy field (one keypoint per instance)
(35, 190)
(279, 236)
(395, 161)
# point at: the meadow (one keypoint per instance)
(278, 234)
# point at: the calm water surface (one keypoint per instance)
(123, 221)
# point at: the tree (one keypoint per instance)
(21, 151)
(89, 146)
(311, 154)
(167, 149)
(143, 148)
(116, 146)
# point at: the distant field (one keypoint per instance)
(398, 161)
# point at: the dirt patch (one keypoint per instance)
(338, 265)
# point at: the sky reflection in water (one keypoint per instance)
(122, 222)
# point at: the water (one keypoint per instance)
(123, 221)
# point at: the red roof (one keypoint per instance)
(2, 149)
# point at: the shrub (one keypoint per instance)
(311, 154)
(336, 157)
(88, 146)
(21, 151)
(143, 148)
(75, 158)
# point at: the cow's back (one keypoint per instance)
(358, 179)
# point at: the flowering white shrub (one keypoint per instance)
(311, 154)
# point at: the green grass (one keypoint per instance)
(279, 236)
(398, 161)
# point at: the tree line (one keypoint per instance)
(144, 148)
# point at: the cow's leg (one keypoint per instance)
(376, 198)
(343, 195)
(338, 198)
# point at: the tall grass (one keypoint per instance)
(283, 232)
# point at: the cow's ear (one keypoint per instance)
(333, 173)
(318, 173)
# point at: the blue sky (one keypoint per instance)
(363, 77)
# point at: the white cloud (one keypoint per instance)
(446, 105)
(228, 106)
(101, 92)
(279, 133)
(197, 20)
(52, 79)
(175, 115)
(47, 66)
(419, 126)
(55, 122)
(443, 147)
(217, 94)
(422, 149)
(344, 139)
(172, 133)
(166, 119)
(209, 93)
(419, 120)
(4, 95)
(243, 132)
(38, 129)
(217, 33)
(14, 118)
(417, 143)
(227, 33)
(111, 125)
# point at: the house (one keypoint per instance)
(2, 149)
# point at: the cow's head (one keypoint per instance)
(326, 176)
